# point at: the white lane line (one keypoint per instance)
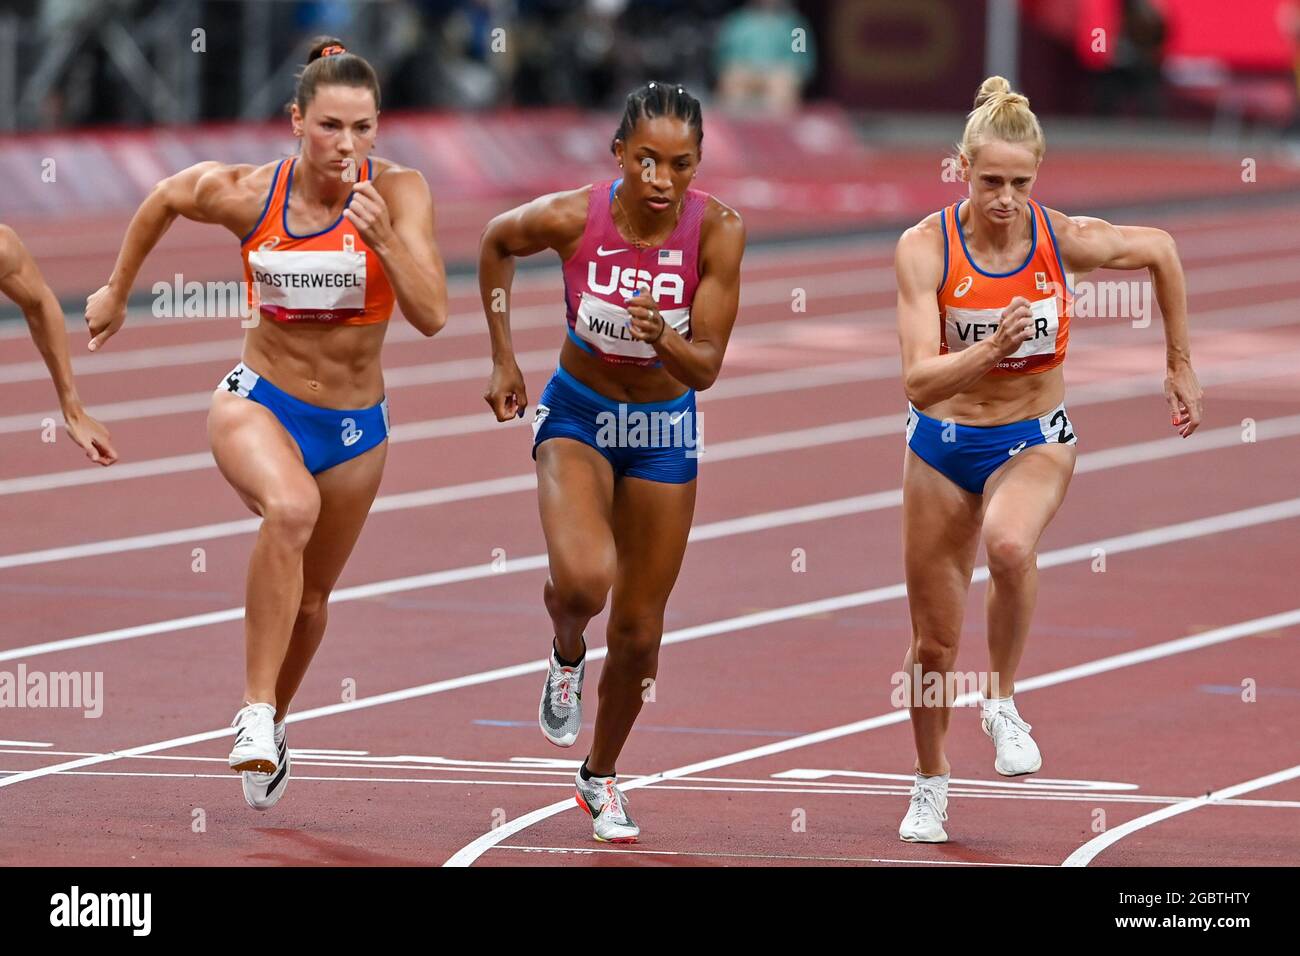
(1154, 537)
(400, 377)
(1092, 393)
(848, 431)
(1264, 313)
(785, 380)
(1162, 448)
(532, 317)
(705, 532)
(700, 784)
(862, 251)
(23, 743)
(582, 851)
(1088, 852)
(472, 851)
(874, 369)
(542, 281)
(859, 280)
(1067, 790)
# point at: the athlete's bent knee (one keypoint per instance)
(634, 645)
(581, 594)
(291, 519)
(934, 655)
(1009, 556)
(313, 604)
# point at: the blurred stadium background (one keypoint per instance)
(822, 116)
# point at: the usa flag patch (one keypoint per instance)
(670, 257)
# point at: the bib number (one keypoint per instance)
(1060, 424)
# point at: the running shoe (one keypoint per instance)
(255, 739)
(1017, 753)
(606, 805)
(928, 810)
(264, 790)
(560, 712)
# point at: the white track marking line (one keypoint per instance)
(769, 256)
(874, 369)
(23, 743)
(861, 278)
(701, 784)
(1264, 514)
(842, 284)
(400, 377)
(1097, 392)
(980, 789)
(472, 851)
(785, 380)
(1086, 853)
(450, 370)
(581, 851)
(1162, 448)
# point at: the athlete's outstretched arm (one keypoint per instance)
(929, 377)
(398, 225)
(696, 363)
(22, 282)
(554, 221)
(189, 193)
(1086, 244)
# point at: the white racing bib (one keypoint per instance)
(604, 325)
(964, 327)
(331, 281)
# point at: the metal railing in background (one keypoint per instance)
(144, 59)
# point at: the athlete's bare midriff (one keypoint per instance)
(633, 384)
(1001, 399)
(333, 366)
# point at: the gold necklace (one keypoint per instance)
(636, 238)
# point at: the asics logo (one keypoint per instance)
(602, 251)
(1018, 449)
(269, 244)
(963, 287)
(351, 433)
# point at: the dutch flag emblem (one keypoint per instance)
(670, 257)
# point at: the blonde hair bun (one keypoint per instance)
(1002, 114)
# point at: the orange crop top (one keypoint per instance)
(327, 276)
(971, 300)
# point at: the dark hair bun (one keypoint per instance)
(322, 43)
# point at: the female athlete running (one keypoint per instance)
(330, 238)
(21, 281)
(651, 275)
(983, 319)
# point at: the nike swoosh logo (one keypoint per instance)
(602, 251)
(674, 419)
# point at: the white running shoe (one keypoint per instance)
(606, 804)
(255, 739)
(928, 810)
(264, 790)
(560, 712)
(1017, 752)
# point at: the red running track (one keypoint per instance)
(774, 732)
